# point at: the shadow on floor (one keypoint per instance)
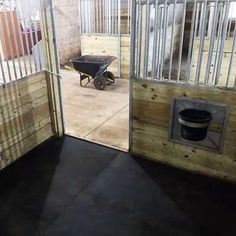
(73, 187)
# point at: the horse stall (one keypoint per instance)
(105, 30)
(29, 95)
(200, 82)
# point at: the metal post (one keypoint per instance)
(166, 14)
(155, 40)
(147, 31)
(212, 40)
(222, 42)
(172, 40)
(119, 38)
(231, 57)
(181, 42)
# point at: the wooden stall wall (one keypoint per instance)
(151, 106)
(25, 118)
(108, 46)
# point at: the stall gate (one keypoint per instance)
(29, 86)
(105, 30)
(183, 56)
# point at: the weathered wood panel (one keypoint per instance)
(25, 120)
(108, 45)
(150, 127)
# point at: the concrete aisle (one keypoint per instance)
(98, 116)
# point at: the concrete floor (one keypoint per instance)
(98, 116)
(69, 187)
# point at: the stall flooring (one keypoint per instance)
(98, 116)
(72, 187)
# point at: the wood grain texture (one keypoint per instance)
(108, 45)
(25, 119)
(150, 129)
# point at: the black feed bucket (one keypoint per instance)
(194, 124)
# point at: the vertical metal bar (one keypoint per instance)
(81, 17)
(96, 16)
(202, 40)
(159, 39)
(119, 38)
(139, 37)
(132, 69)
(194, 24)
(26, 40)
(212, 40)
(21, 40)
(100, 16)
(14, 37)
(133, 40)
(181, 41)
(10, 42)
(128, 17)
(231, 56)
(172, 41)
(165, 27)
(230, 21)
(31, 38)
(155, 38)
(218, 40)
(222, 42)
(147, 32)
(36, 35)
(2, 69)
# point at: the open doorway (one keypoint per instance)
(102, 29)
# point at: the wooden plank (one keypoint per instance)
(24, 134)
(24, 146)
(16, 125)
(150, 128)
(11, 113)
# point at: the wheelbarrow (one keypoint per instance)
(94, 68)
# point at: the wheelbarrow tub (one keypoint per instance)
(92, 65)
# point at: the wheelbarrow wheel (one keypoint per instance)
(100, 83)
(109, 77)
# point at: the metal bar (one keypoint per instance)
(81, 17)
(100, 16)
(165, 26)
(212, 40)
(172, 41)
(139, 39)
(133, 40)
(202, 40)
(31, 39)
(147, 30)
(36, 36)
(218, 41)
(119, 38)
(10, 43)
(155, 46)
(159, 43)
(15, 39)
(222, 42)
(2, 69)
(230, 22)
(181, 42)
(26, 41)
(21, 41)
(231, 57)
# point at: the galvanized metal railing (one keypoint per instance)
(105, 17)
(185, 41)
(21, 49)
